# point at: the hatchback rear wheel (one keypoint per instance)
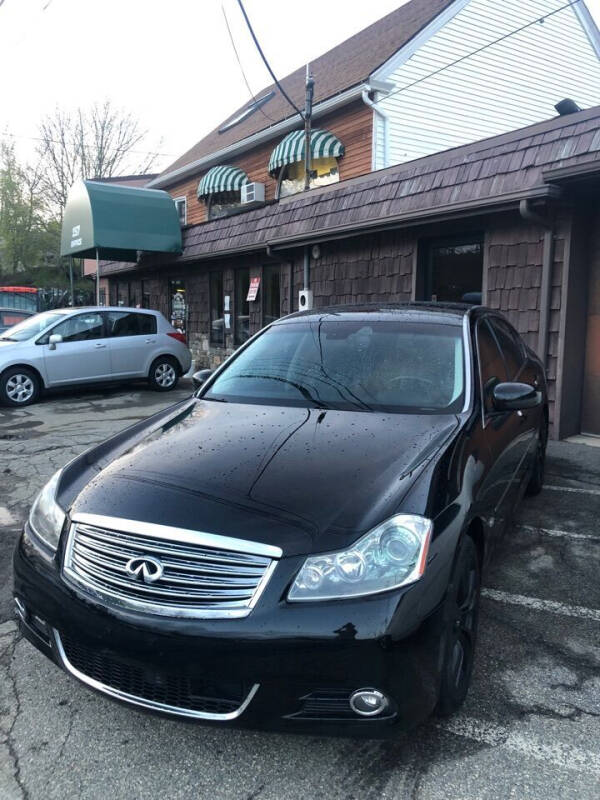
(164, 374)
(19, 387)
(460, 630)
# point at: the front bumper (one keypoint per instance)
(284, 667)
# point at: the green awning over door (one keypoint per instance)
(118, 221)
(323, 144)
(222, 179)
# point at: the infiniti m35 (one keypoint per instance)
(300, 544)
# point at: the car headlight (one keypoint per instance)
(391, 555)
(46, 518)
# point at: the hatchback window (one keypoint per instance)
(32, 326)
(364, 365)
(81, 327)
(129, 323)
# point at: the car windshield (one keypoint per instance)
(32, 326)
(379, 365)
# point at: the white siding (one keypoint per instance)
(509, 85)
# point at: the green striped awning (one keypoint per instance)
(222, 179)
(291, 149)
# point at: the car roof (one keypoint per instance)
(75, 309)
(449, 313)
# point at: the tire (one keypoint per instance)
(19, 387)
(164, 374)
(461, 616)
(536, 482)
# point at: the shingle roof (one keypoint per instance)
(346, 65)
(479, 175)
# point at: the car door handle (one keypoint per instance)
(150, 341)
(99, 344)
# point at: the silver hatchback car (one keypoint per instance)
(81, 345)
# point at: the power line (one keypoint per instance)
(252, 95)
(476, 52)
(266, 63)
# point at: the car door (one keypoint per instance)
(500, 428)
(132, 337)
(526, 422)
(82, 355)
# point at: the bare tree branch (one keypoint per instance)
(98, 142)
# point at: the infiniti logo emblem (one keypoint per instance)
(144, 568)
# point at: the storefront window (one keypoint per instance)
(451, 271)
(271, 294)
(217, 321)
(323, 172)
(122, 293)
(178, 310)
(241, 305)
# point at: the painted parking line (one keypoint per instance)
(556, 533)
(571, 489)
(563, 756)
(538, 604)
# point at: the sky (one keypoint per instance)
(169, 62)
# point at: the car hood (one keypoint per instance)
(306, 480)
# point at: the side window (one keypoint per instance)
(81, 328)
(492, 369)
(510, 345)
(128, 323)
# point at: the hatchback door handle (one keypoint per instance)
(99, 344)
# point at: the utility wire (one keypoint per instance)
(476, 52)
(266, 63)
(231, 39)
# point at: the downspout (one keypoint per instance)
(384, 118)
(529, 215)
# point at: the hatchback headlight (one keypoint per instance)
(391, 555)
(46, 518)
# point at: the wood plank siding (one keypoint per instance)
(508, 85)
(353, 125)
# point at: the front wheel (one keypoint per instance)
(19, 387)
(460, 628)
(164, 374)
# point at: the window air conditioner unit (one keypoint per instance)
(253, 193)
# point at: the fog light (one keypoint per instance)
(368, 702)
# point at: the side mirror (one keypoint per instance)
(200, 377)
(53, 340)
(515, 396)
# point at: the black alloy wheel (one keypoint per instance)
(460, 633)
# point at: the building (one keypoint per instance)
(407, 200)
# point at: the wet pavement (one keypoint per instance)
(530, 727)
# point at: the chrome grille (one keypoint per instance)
(198, 574)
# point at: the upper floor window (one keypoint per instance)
(287, 161)
(220, 188)
(181, 206)
(291, 177)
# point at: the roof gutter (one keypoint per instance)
(234, 149)
(385, 121)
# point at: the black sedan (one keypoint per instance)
(300, 544)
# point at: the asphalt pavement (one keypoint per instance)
(530, 727)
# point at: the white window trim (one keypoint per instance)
(178, 200)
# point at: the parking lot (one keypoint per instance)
(530, 727)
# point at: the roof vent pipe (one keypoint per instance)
(567, 106)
